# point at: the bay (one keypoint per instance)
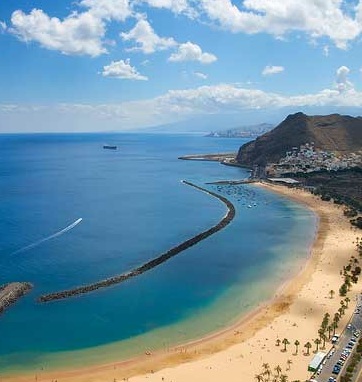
(133, 207)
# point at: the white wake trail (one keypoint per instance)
(54, 235)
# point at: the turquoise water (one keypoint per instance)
(133, 207)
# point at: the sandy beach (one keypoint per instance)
(239, 352)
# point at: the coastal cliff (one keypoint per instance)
(340, 134)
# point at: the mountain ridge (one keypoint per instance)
(341, 134)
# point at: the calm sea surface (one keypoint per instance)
(133, 207)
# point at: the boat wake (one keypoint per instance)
(53, 236)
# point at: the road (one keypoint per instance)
(356, 323)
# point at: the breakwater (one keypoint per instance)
(154, 262)
(10, 293)
(233, 182)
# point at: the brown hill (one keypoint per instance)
(341, 134)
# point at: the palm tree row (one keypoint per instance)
(351, 271)
(328, 325)
(267, 374)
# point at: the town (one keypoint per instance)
(307, 158)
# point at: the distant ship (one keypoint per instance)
(110, 147)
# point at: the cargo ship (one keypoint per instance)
(110, 147)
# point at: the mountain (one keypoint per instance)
(251, 131)
(203, 124)
(341, 134)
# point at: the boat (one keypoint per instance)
(110, 147)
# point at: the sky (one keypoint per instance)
(125, 65)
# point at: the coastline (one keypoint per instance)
(224, 354)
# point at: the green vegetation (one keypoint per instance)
(267, 375)
(285, 342)
(343, 186)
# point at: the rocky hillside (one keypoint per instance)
(337, 133)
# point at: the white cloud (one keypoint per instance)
(176, 105)
(192, 52)
(79, 34)
(3, 26)
(123, 70)
(176, 6)
(76, 34)
(326, 50)
(270, 70)
(200, 75)
(343, 84)
(146, 38)
(108, 9)
(149, 42)
(278, 17)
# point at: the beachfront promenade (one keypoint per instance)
(154, 262)
(10, 293)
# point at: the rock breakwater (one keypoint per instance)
(152, 263)
(10, 293)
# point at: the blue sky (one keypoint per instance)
(100, 65)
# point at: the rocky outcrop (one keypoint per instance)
(336, 133)
(152, 263)
(10, 293)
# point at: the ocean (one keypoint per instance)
(73, 213)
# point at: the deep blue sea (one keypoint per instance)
(133, 207)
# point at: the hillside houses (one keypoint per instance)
(307, 158)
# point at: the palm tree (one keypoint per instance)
(334, 326)
(341, 311)
(347, 300)
(336, 318)
(331, 293)
(324, 338)
(330, 328)
(266, 366)
(289, 362)
(283, 378)
(278, 342)
(266, 370)
(308, 345)
(320, 332)
(325, 321)
(259, 377)
(285, 343)
(296, 343)
(278, 369)
(317, 341)
(267, 373)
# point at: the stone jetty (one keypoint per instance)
(152, 263)
(233, 182)
(10, 293)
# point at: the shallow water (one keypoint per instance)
(133, 207)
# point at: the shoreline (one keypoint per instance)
(243, 335)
